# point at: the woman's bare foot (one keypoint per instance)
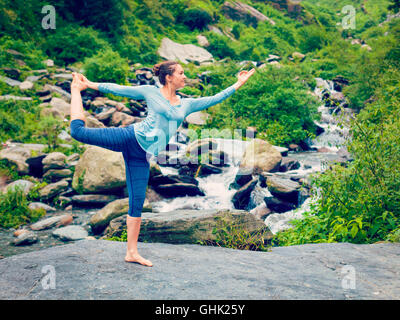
(136, 257)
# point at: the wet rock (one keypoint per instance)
(276, 205)
(48, 222)
(25, 239)
(288, 164)
(285, 189)
(241, 197)
(180, 189)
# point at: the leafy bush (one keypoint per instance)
(106, 66)
(196, 18)
(73, 43)
(313, 38)
(14, 209)
(219, 46)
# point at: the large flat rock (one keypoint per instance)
(94, 269)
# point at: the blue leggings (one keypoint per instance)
(123, 140)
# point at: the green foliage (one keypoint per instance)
(32, 55)
(123, 237)
(18, 120)
(14, 209)
(394, 6)
(219, 46)
(106, 66)
(73, 43)
(313, 38)
(49, 128)
(196, 18)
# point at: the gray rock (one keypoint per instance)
(48, 222)
(186, 226)
(93, 199)
(39, 205)
(25, 239)
(25, 185)
(54, 160)
(53, 189)
(95, 269)
(186, 53)
(70, 233)
(241, 197)
(10, 82)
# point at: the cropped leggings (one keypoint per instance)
(123, 140)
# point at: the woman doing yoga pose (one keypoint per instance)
(139, 141)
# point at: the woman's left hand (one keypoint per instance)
(244, 75)
(77, 82)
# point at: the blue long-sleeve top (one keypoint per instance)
(163, 119)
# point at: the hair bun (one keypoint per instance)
(156, 69)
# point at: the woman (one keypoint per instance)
(138, 142)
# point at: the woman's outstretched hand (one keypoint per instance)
(89, 84)
(243, 76)
(77, 83)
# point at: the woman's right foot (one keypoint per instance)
(137, 258)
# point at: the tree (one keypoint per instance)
(395, 6)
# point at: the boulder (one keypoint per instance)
(180, 189)
(25, 185)
(276, 205)
(260, 156)
(288, 164)
(54, 160)
(185, 53)
(284, 189)
(40, 205)
(48, 222)
(92, 200)
(57, 174)
(99, 170)
(19, 154)
(186, 226)
(241, 197)
(52, 190)
(242, 12)
(25, 238)
(100, 220)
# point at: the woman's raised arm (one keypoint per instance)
(134, 92)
